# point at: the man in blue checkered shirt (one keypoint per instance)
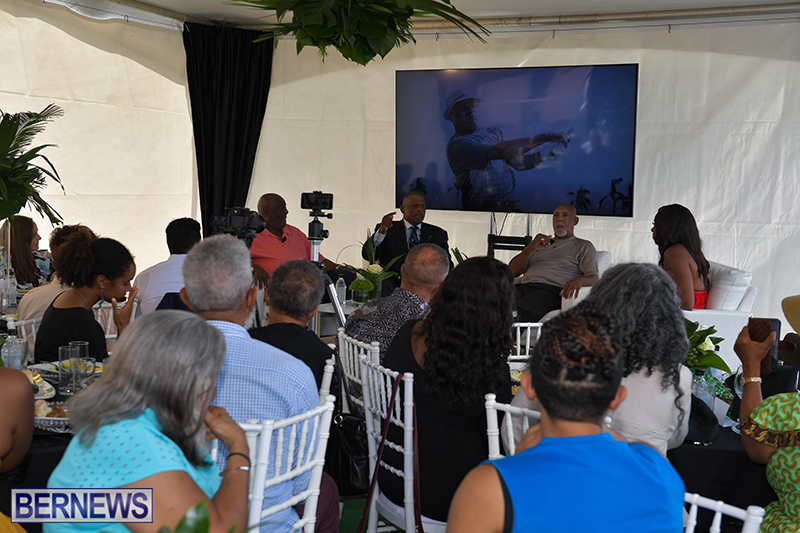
(257, 381)
(482, 160)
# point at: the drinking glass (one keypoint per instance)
(68, 370)
(86, 369)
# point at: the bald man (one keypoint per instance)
(553, 267)
(279, 242)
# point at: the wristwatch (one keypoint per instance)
(745, 381)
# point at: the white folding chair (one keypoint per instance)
(104, 314)
(751, 517)
(526, 334)
(493, 431)
(26, 330)
(350, 350)
(294, 454)
(377, 386)
(327, 377)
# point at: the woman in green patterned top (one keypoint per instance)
(771, 436)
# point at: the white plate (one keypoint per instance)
(58, 425)
(46, 391)
(46, 370)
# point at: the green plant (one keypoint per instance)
(374, 272)
(359, 29)
(194, 521)
(460, 258)
(702, 347)
(359, 284)
(20, 177)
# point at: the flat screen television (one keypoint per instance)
(518, 139)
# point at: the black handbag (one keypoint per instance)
(347, 456)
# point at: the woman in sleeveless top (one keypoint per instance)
(681, 254)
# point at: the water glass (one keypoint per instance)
(86, 369)
(68, 370)
(83, 347)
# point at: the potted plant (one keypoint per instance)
(361, 288)
(375, 273)
(21, 175)
(359, 29)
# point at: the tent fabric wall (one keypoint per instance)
(125, 150)
(718, 131)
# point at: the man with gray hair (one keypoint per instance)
(295, 291)
(425, 268)
(257, 381)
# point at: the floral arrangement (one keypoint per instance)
(374, 273)
(360, 284)
(702, 347)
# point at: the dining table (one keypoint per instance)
(721, 470)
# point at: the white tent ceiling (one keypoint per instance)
(215, 11)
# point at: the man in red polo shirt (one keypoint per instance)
(279, 242)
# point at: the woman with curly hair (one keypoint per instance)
(570, 470)
(457, 354)
(94, 269)
(643, 300)
(31, 265)
(681, 254)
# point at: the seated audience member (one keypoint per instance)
(396, 240)
(294, 293)
(457, 354)
(681, 254)
(280, 242)
(770, 430)
(643, 302)
(575, 374)
(16, 431)
(553, 269)
(257, 381)
(425, 267)
(166, 277)
(144, 425)
(35, 303)
(95, 270)
(31, 265)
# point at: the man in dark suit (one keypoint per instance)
(393, 239)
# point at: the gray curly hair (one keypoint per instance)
(644, 302)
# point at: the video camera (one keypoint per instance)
(239, 222)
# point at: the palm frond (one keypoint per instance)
(31, 124)
(21, 177)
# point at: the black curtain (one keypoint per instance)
(229, 80)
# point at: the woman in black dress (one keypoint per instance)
(458, 354)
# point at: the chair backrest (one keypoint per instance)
(377, 386)
(525, 334)
(327, 377)
(731, 288)
(26, 330)
(751, 517)
(294, 455)
(493, 431)
(350, 350)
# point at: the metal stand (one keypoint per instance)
(316, 233)
(498, 242)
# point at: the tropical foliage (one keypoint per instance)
(702, 347)
(21, 177)
(359, 29)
